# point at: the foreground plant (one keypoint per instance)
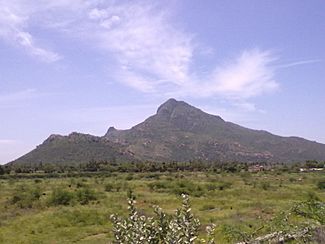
(300, 224)
(182, 227)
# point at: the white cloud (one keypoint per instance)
(144, 43)
(108, 23)
(26, 41)
(297, 63)
(151, 53)
(249, 75)
(13, 22)
(154, 56)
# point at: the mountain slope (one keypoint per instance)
(181, 132)
(177, 132)
(74, 149)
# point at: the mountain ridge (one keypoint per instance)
(177, 132)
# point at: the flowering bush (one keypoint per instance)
(182, 227)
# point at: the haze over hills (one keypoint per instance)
(177, 132)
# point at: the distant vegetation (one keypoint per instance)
(52, 203)
(136, 167)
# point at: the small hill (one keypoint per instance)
(74, 149)
(177, 132)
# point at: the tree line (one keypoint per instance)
(147, 166)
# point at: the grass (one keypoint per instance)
(68, 210)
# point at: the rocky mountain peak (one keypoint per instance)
(167, 107)
(111, 131)
(53, 137)
(177, 132)
(173, 108)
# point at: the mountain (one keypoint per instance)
(74, 149)
(181, 132)
(177, 132)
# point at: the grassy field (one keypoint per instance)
(77, 209)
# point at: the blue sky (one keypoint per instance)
(85, 65)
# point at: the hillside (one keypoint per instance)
(177, 132)
(181, 132)
(74, 149)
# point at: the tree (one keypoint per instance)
(2, 171)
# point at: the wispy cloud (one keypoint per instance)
(14, 19)
(17, 96)
(144, 47)
(149, 51)
(297, 63)
(7, 142)
(154, 56)
(250, 74)
(20, 98)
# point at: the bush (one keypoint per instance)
(2, 171)
(61, 197)
(265, 185)
(129, 177)
(158, 186)
(182, 227)
(312, 209)
(109, 187)
(211, 187)
(25, 197)
(85, 195)
(321, 185)
(225, 185)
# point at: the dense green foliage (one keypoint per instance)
(136, 167)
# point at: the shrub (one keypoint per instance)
(109, 187)
(85, 195)
(25, 197)
(265, 185)
(224, 185)
(80, 184)
(211, 187)
(312, 209)
(182, 227)
(129, 177)
(158, 186)
(37, 181)
(187, 187)
(2, 171)
(321, 185)
(61, 197)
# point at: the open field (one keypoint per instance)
(77, 209)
